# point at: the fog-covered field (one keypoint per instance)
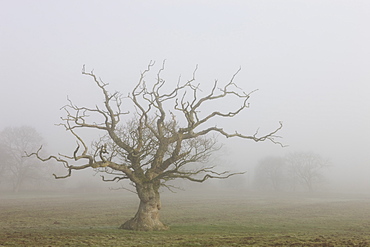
(241, 75)
(216, 219)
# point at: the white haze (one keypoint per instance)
(310, 61)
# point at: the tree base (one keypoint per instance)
(152, 225)
(147, 216)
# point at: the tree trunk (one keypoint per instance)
(147, 216)
(17, 184)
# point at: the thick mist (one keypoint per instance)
(309, 61)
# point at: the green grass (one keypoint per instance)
(195, 220)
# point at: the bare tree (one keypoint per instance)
(15, 141)
(306, 168)
(270, 173)
(167, 136)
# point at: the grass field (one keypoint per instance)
(197, 220)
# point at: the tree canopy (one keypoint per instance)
(157, 141)
(15, 168)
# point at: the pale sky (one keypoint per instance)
(310, 61)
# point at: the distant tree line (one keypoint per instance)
(296, 171)
(18, 172)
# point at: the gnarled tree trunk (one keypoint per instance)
(147, 216)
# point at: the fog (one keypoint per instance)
(309, 61)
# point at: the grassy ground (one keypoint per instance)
(198, 220)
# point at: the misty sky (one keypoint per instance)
(310, 60)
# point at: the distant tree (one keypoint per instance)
(270, 173)
(4, 160)
(306, 168)
(14, 143)
(167, 136)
